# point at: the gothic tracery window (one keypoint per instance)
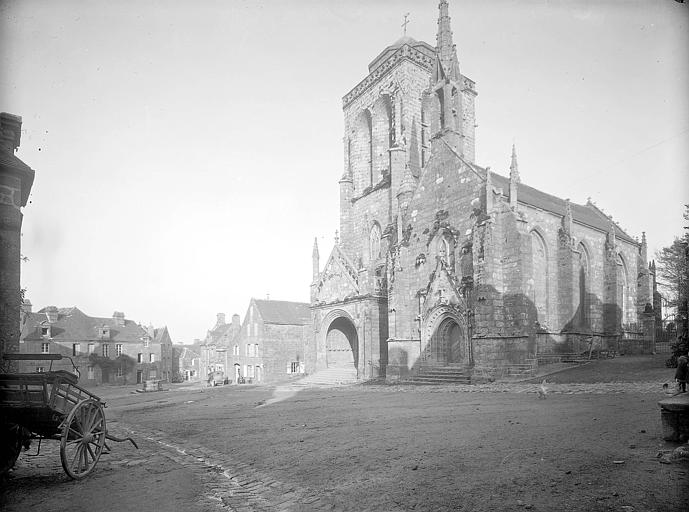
(584, 286)
(539, 256)
(622, 289)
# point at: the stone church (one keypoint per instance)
(441, 262)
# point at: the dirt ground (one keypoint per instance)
(592, 445)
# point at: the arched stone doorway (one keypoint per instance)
(447, 339)
(342, 344)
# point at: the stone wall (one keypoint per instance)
(280, 346)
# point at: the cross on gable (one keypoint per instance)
(405, 23)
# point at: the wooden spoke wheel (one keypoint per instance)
(83, 437)
(10, 447)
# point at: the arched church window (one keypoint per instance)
(622, 289)
(374, 242)
(584, 286)
(441, 110)
(539, 255)
(382, 135)
(369, 136)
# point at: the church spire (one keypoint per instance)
(514, 179)
(446, 65)
(514, 167)
(315, 257)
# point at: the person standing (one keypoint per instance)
(681, 373)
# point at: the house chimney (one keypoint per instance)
(27, 306)
(51, 314)
(10, 131)
(235, 320)
(118, 316)
(221, 319)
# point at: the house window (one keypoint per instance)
(106, 350)
(105, 332)
(119, 372)
(45, 348)
(235, 350)
(250, 369)
(45, 332)
(139, 358)
(152, 358)
(92, 348)
(146, 342)
(91, 373)
(40, 369)
(256, 350)
(246, 349)
(294, 367)
(76, 349)
(153, 374)
(118, 349)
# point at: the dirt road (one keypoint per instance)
(588, 447)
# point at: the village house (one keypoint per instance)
(271, 343)
(106, 350)
(186, 363)
(441, 262)
(214, 348)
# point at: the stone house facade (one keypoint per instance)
(271, 342)
(185, 363)
(440, 261)
(106, 350)
(213, 350)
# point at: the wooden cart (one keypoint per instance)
(51, 405)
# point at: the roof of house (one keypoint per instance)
(283, 312)
(587, 214)
(161, 335)
(74, 325)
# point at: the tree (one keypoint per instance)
(672, 271)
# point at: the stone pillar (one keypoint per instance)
(16, 179)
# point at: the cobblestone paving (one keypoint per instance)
(520, 387)
(233, 485)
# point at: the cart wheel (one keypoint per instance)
(83, 437)
(11, 446)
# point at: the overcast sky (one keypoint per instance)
(187, 153)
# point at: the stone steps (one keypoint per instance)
(329, 377)
(451, 374)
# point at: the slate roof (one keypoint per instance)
(586, 214)
(160, 335)
(73, 325)
(283, 312)
(219, 334)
